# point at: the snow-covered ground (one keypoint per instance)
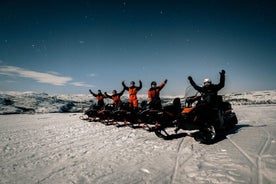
(61, 148)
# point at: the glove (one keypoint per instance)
(190, 78)
(222, 72)
(165, 81)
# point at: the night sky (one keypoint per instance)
(72, 46)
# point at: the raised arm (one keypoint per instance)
(140, 85)
(95, 95)
(222, 80)
(123, 84)
(107, 95)
(192, 82)
(162, 84)
(122, 92)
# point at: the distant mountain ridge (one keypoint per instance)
(32, 102)
(252, 98)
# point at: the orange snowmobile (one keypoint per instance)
(206, 123)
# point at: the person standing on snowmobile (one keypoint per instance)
(100, 98)
(133, 90)
(209, 100)
(154, 95)
(116, 97)
(209, 90)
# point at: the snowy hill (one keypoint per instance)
(30, 102)
(252, 98)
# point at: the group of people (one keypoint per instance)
(153, 95)
(208, 91)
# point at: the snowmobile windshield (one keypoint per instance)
(191, 97)
(190, 91)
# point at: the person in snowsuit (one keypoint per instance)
(209, 98)
(116, 97)
(100, 98)
(154, 95)
(133, 90)
(209, 91)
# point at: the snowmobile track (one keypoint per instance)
(259, 156)
(179, 154)
(242, 151)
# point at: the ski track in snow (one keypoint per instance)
(61, 148)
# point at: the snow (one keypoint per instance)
(61, 148)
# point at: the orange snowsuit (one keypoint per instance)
(154, 92)
(133, 90)
(116, 98)
(154, 96)
(100, 98)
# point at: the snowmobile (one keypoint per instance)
(151, 118)
(205, 122)
(111, 115)
(98, 114)
(134, 117)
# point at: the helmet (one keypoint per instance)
(114, 92)
(207, 82)
(132, 83)
(153, 83)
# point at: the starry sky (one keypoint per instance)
(69, 47)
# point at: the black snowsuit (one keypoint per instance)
(210, 100)
(209, 93)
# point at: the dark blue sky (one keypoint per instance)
(73, 46)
